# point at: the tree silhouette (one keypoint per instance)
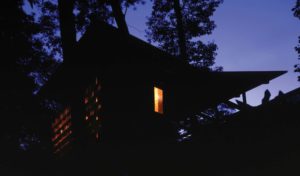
(67, 27)
(23, 55)
(176, 26)
(71, 18)
(57, 25)
(180, 29)
(105, 10)
(296, 11)
(119, 16)
(21, 41)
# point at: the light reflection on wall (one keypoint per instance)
(93, 106)
(61, 128)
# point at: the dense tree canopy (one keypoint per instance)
(87, 10)
(45, 33)
(22, 41)
(22, 55)
(177, 26)
(296, 11)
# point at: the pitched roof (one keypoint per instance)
(104, 46)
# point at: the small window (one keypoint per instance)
(158, 100)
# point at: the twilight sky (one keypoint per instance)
(251, 35)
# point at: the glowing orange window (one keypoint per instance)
(158, 100)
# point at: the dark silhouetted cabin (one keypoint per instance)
(118, 88)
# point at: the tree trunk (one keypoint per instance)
(67, 27)
(119, 16)
(180, 30)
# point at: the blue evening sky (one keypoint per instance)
(251, 35)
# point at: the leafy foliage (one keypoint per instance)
(196, 21)
(296, 11)
(24, 40)
(20, 38)
(45, 38)
(22, 53)
(87, 10)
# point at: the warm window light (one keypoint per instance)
(158, 100)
